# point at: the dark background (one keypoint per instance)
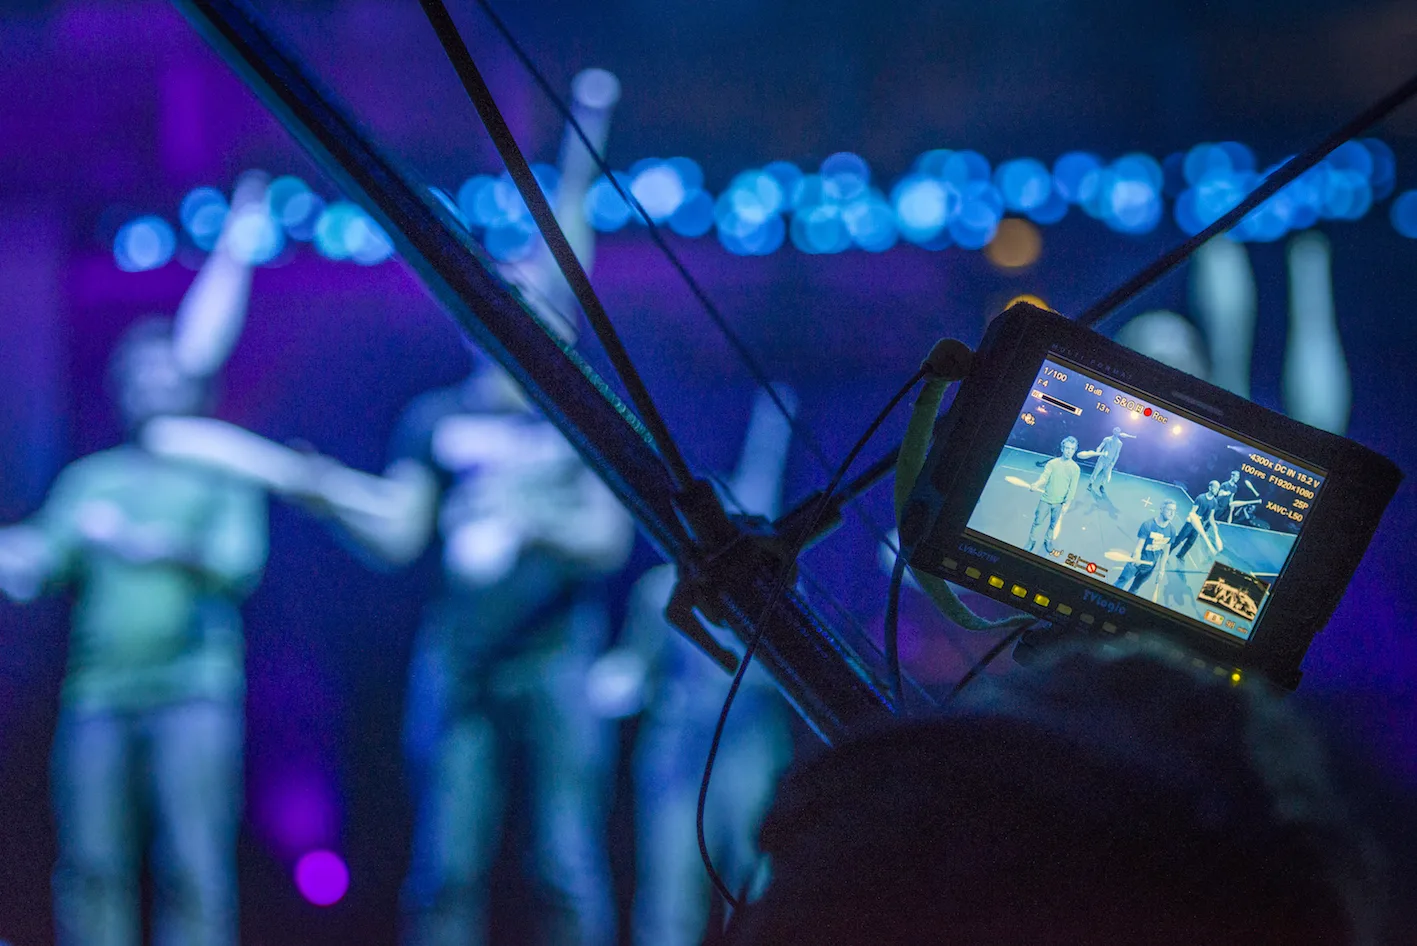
(114, 108)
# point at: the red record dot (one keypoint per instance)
(1147, 412)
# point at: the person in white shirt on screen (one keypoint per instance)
(1058, 484)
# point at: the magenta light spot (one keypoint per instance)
(321, 877)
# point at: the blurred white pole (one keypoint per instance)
(1223, 297)
(594, 94)
(757, 481)
(1317, 387)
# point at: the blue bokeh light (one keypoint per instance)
(511, 240)
(690, 174)
(845, 176)
(1075, 175)
(1025, 183)
(694, 217)
(254, 237)
(871, 222)
(474, 199)
(604, 208)
(820, 230)
(202, 213)
(289, 200)
(1404, 214)
(659, 189)
(144, 243)
(345, 231)
(1384, 176)
(923, 207)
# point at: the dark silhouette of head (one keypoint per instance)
(1110, 797)
(147, 380)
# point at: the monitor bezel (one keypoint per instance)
(1358, 484)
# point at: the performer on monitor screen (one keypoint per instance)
(1058, 484)
(1154, 540)
(160, 553)
(1106, 453)
(1200, 519)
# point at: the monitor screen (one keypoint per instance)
(1106, 483)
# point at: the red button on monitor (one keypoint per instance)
(1147, 412)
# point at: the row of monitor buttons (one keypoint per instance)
(1040, 599)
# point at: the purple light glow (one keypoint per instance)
(321, 878)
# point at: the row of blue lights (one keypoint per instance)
(948, 198)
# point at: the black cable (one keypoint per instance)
(891, 631)
(761, 626)
(799, 428)
(986, 660)
(511, 154)
(1269, 187)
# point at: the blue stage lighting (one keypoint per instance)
(807, 193)
(1052, 210)
(871, 222)
(1352, 156)
(979, 215)
(659, 189)
(1130, 201)
(1206, 159)
(690, 174)
(787, 175)
(1217, 193)
(288, 199)
(1186, 215)
(922, 207)
(965, 167)
(1384, 175)
(1241, 158)
(1404, 214)
(476, 201)
(145, 243)
(845, 176)
(1347, 195)
(331, 229)
(932, 163)
(820, 230)
(1024, 182)
(254, 237)
(511, 240)
(694, 217)
(313, 206)
(605, 209)
(752, 239)
(202, 213)
(1075, 175)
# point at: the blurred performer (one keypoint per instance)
(526, 534)
(1198, 520)
(1059, 484)
(684, 693)
(147, 753)
(1154, 540)
(1106, 453)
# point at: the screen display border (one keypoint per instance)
(1151, 400)
(968, 438)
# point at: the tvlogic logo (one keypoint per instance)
(1106, 604)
